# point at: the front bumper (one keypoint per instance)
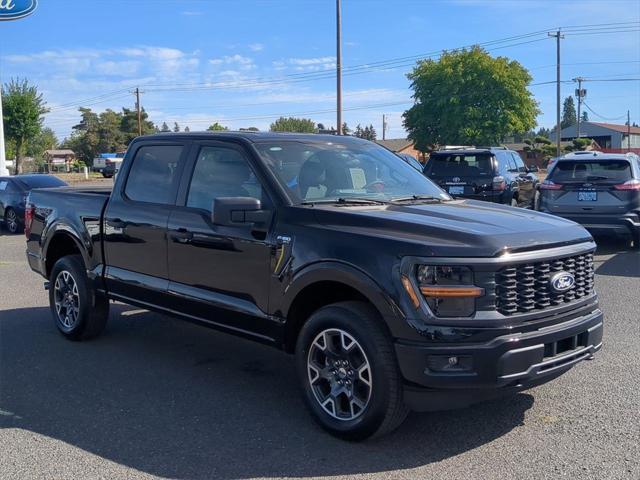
(505, 364)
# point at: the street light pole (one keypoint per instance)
(339, 66)
(558, 129)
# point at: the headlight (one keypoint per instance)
(448, 290)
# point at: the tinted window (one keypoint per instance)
(221, 172)
(340, 169)
(505, 163)
(153, 174)
(41, 181)
(461, 165)
(603, 171)
(519, 163)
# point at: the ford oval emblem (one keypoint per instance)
(15, 9)
(456, 179)
(561, 282)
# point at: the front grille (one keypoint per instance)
(525, 288)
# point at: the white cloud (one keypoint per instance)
(256, 47)
(312, 61)
(245, 63)
(306, 64)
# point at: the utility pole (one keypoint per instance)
(384, 126)
(339, 65)
(139, 111)
(3, 160)
(628, 131)
(558, 129)
(580, 93)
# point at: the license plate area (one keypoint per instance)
(587, 196)
(456, 189)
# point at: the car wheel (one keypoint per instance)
(78, 310)
(349, 373)
(11, 220)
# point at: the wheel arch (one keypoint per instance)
(325, 283)
(62, 242)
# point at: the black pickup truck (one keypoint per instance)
(392, 295)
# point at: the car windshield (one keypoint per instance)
(595, 171)
(345, 171)
(460, 165)
(41, 181)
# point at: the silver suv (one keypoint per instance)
(599, 190)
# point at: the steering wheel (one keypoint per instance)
(374, 187)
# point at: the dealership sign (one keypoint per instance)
(15, 9)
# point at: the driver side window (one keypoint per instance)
(221, 172)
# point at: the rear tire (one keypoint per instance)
(349, 373)
(78, 310)
(11, 220)
(535, 205)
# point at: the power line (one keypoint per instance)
(600, 116)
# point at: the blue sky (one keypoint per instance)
(244, 62)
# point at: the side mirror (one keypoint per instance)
(533, 169)
(236, 211)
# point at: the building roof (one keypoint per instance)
(616, 127)
(55, 153)
(395, 144)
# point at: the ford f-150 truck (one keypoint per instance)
(392, 295)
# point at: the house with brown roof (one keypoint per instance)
(59, 158)
(403, 145)
(607, 135)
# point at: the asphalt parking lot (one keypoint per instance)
(155, 397)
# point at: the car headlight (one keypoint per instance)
(448, 290)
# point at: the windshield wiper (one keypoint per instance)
(416, 198)
(347, 200)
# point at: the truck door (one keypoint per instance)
(135, 223)
(219, 274)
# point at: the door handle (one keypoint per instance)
(181, 235)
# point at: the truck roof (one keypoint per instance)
(254, 136)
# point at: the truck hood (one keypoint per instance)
(455, 228)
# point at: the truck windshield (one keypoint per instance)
(460, 165)
(595, 171)
(339, 171)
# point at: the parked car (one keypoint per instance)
(111, 168)
(13, 192)
(411, 160)
(392, 296)
(489, 174)
(598, 190)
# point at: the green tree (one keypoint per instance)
(468, 97)
(85, 136)
(110, 137)
(578, 144)
(129, 124)
(165, 128)
(45, 140)
(569, 115)
(585, 116)
(216, 127)
(23, 108)
(368, 132)
(187, 129)
(176, 127)
(345, 129)
(291, 124)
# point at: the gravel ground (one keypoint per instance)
(158, 398)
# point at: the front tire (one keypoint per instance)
(349, 373)
(79, 311)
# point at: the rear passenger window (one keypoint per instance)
(519, 163)
(153, 173)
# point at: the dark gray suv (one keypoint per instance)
(599, 190)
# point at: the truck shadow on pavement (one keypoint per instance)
(614, 257)
(176, 400)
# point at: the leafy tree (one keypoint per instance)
(176, 127)
(45, 140)
(468, 97)
(23, 108)
(368, 132)
(187, 129)
(345, 129)
(216, 127)
(585, 116)
(110, 137)
(129, 124)
(249, 129)
(291, 124)
(165, 128)
(578, 144)
(543, 132)
(569, 115)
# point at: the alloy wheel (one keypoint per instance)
(12, 221)
(67, 299)
(339, 374)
